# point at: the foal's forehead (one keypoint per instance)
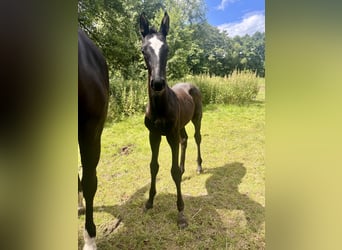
(155, 42)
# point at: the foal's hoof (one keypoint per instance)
(147, 206)
(182, 223)
(199, 170)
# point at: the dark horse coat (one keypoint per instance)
(168, 110)
(93, 86)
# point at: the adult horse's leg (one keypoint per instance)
(155, 139)
(198, 138)
(173, 140)
(90, 147)
(184, 143)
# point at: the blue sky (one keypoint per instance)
(237, 17)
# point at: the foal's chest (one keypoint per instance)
(161, 125)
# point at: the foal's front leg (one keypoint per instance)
(155, 139)
(173, 140)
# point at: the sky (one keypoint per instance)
(237, 17)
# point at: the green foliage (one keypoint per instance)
(239, 88)
(195, 47)
(110, 25)
(251, 52)
(128, 97)
(179, 39)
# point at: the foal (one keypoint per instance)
(168, 110)
(93, 86)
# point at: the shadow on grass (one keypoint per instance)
(220, 218)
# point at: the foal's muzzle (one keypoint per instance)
(158, 84)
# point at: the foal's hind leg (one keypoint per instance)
(198, 138)
(90, 146)
(184, 143)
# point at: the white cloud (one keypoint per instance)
(251, 23)
(224, 3)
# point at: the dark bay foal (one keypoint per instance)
(93, 85)
(168, 110)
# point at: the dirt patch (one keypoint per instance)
(126, 150)
(123, 150)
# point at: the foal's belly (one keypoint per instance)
(186, 102)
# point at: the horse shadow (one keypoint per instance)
(221, 217)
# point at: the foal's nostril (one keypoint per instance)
(158, 85)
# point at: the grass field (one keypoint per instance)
(225, 206)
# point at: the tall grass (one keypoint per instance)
(128, 97)
(239, 88)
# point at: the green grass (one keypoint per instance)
(225, 205)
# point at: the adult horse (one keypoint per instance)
(168, 110)
(93, 89)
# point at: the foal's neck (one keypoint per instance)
(158, 103)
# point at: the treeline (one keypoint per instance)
(195, 47)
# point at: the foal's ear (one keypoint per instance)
(164, 26)
(144, 26)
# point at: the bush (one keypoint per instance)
(128, 97)
(239, 88)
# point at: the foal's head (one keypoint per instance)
(155, 49)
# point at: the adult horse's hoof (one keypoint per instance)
(182, 223)
(89, 242)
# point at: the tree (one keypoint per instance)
(195, 47)
(109, 25)
(183, 14)
(249, 53)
